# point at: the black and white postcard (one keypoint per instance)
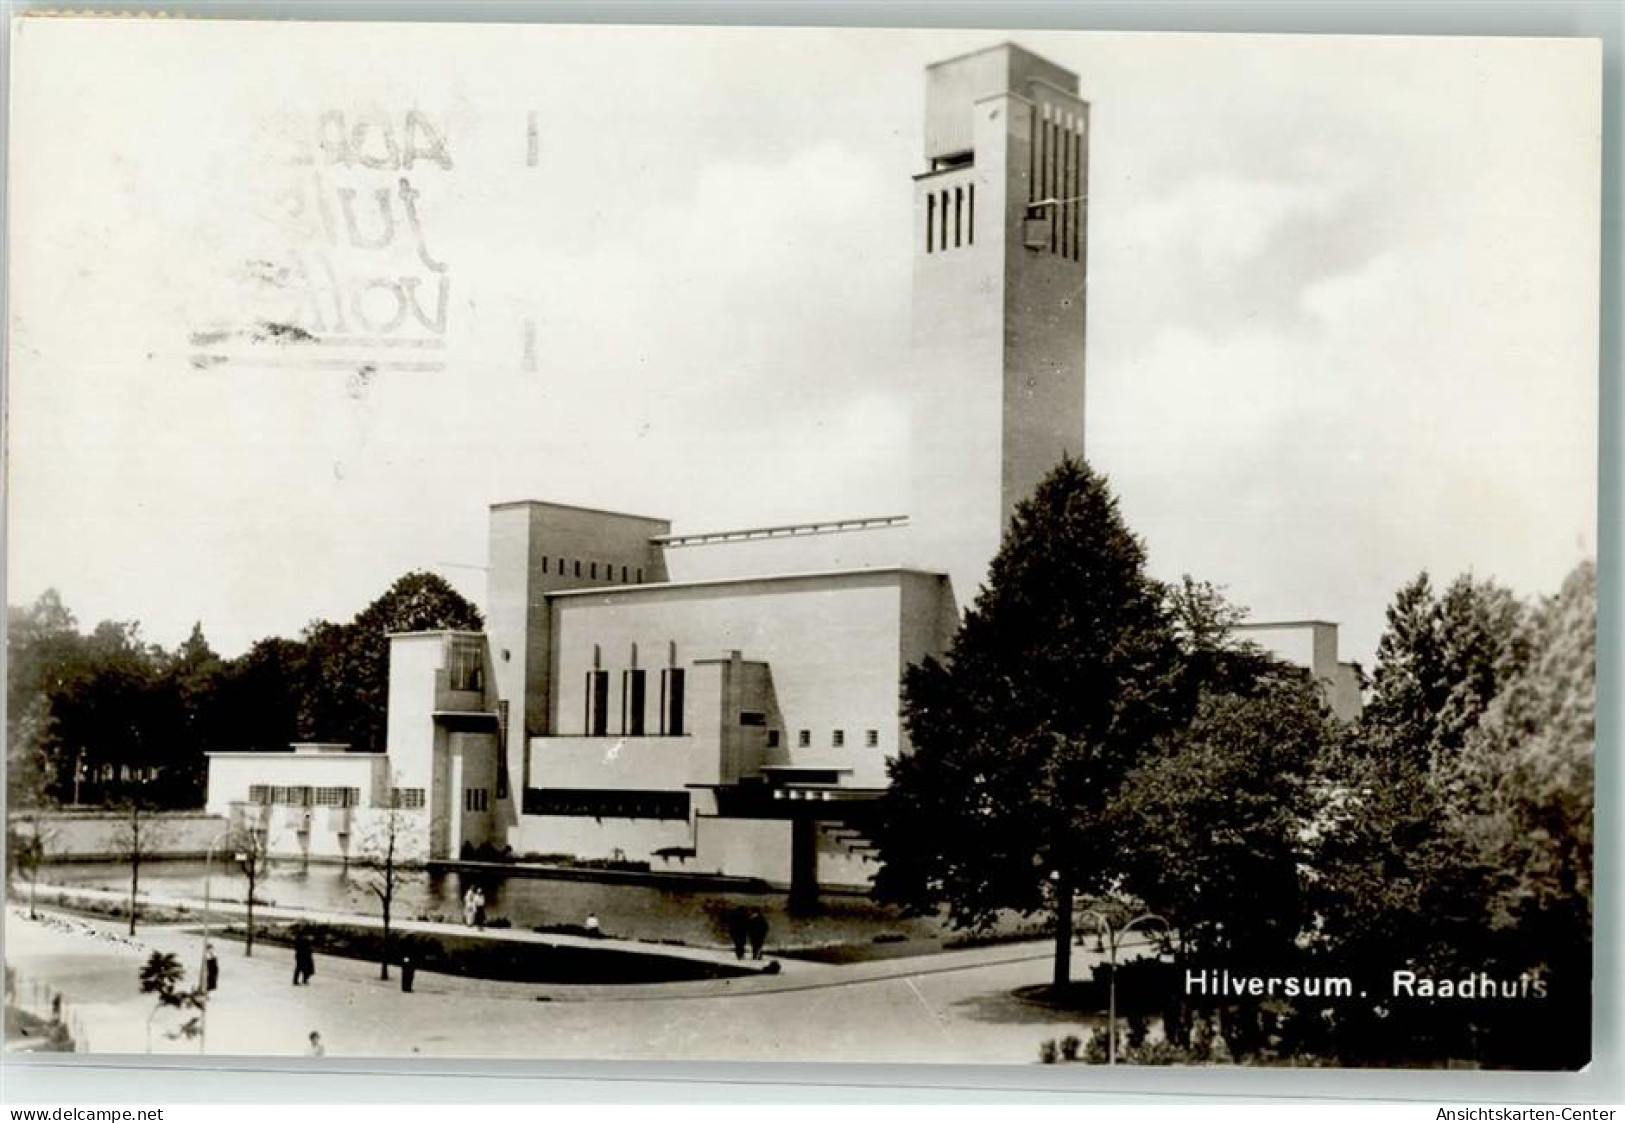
(659, 543)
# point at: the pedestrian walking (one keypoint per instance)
(316, 1048)
(304, 960)
(211, 969)
(758, 933)
(736, 931)
(409, 971)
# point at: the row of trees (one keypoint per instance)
(105, 717)
(1095, 736)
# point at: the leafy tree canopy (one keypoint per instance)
(1064, 670)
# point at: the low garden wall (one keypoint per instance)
(87, 836)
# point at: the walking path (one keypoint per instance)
(263, 913)
(955, 1006)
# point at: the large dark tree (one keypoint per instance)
(107, 718)
(255, 703)
(1457, 834)
(1439, 662)
(1213, 828)
(1059, 677)
(1524, 808)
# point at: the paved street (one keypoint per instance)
(954, 1006)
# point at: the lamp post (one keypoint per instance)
(203, 963)
(1111, 937)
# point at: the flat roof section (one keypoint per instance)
(786, 530)
(834, 576)
(572, 507)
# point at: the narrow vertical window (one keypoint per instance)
(959, 215)
(804, 738)
(640, 575)
(634, 691)
(671, 689)
(942, 219)
(1054, 179)
(838, 738)
(1080, 188)
(1032, 154)
(1064, 180)
(544, 565)
(871, 738)
(578, 567)
(623, 574)
(1072, 148)
(594, 574)
(597, 703)
(931, 223)
(970, 217)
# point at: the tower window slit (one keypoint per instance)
(1032, 155)
(1072, 211)
(959, 208)
(1053, 177)
(970, 216)
(1081, 189)
(942, 219)
(1066, 184)
(930, 223)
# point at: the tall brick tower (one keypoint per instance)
(1000, 278)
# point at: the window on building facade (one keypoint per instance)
(597, 724)
(838, 738)
(406, 799)
(671, 701)
(475, 799)
(623, 574)
(465, 663)
(634, 699)
(259, 793)
(772, 738)
(640, 575)
(544, 565)
(804, 738)
(606, 803)
(578, 568)
(752, 717)
(871, 738)
(337, 797)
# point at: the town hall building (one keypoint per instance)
(726, 702)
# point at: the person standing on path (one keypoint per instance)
(479, 907)
(758, 933)
(409, 971)
(211, 969)
(316, 1048)
(736, 931)
(304, 960)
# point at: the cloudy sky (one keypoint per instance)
(1342, 302)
